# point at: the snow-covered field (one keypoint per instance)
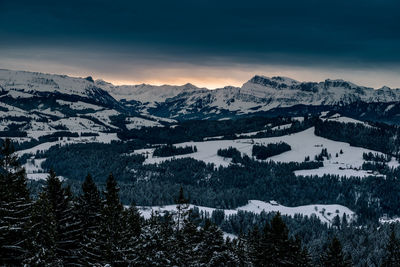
(325, 213)
(137, 123)
(79, 105)
(102, 138)
(338, 118)
(303, 144)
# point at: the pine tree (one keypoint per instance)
(275, 248)
(212, 250)
(89, 208)
(131, 232)
(15, 207)
(182, 210)
(112, 224)
(392, 257)
(334, 256)
(67, 221)
(154, 247)
(42, 235)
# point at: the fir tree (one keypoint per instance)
(15, 207)
(275, 248)
(392, 257)
(89, 208)
(131, 232)
(42, 235)
(334, 256)
(67, 223)
(112, 224)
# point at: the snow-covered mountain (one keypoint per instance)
(30, 94)
(41, 104)
(147, 93)
(261, 94)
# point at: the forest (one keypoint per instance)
(59, 228)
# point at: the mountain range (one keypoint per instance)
(31, 101)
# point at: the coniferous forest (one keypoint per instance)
(56, 227)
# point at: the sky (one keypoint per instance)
(208, 43)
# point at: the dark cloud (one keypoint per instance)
(289, 31)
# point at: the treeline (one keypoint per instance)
(171, 150)
(197, 130)
(382, 138)
(93, 228)
(263, 152)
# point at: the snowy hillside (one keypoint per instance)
(304, 144)
(325, 213)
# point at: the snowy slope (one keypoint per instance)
(303, 144)
(261, 94)
(23, 84)
(146, 92)
(325, 213)
(102, 138)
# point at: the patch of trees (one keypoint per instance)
(381, 138)
(263, 152)
(171, 150)
(376, 157)
(96, 158)
(230, 152)
(89, 134)
(323, 155)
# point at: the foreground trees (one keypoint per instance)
(15, 207)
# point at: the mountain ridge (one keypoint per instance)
(259, 95)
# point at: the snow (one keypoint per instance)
(303, 144)
(79, 105)
(325, 212)
(384, 220)
(104, 116)
(31, 82)
(137, 123)
(282, 127)
(75, 124)
(102, 138)
(389, 107)
(147, 93)
(337, 117)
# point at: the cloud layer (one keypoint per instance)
(133, 40)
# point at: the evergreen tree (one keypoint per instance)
(392, 257)
(67, 221)
(89, 209)
(334, 256)
(42, 230)
(182, 210)
(15, 207)
(275, 248)
(131, 232)
(212, 249)
(112, 224)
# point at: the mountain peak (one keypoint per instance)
(277, 82)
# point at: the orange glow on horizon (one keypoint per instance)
(209, 83)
